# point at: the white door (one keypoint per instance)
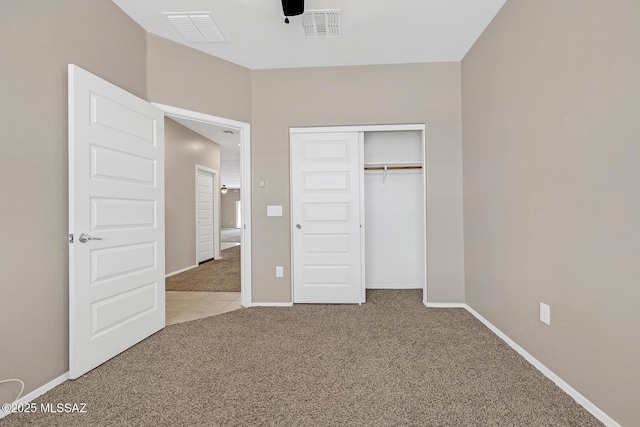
(325, 185)
(116, 218)
(204, 215)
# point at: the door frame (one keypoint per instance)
(374, 128)
(215, 202)
(244, 131)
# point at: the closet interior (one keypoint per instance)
(394, 209)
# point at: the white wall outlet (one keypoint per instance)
(279, 271)
(545, 313)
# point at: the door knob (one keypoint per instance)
(85, 237)
(298, 226)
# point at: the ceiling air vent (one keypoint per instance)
(196, 26)
(321, 24)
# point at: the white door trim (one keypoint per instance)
(244, 131)
(216, 209)
(357, 128)
(382, 128)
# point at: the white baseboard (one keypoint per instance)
(173, 273)
(445, 305)
(38, 392)
(582, 401)
(394, 286)
(271, 304)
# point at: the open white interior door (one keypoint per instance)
(116, 220)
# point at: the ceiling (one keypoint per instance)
(372, 31)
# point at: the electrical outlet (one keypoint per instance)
(279, 271)
(545, 313)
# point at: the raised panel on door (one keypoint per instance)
(115, 165)
(114, 262)
(120, 214)
(326, 218)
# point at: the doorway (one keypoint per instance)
(117, 211)
(231, 223)
(202, 123)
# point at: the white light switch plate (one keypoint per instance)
(545, 313)
(274, 210)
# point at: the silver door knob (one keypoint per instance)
(85, 237)
(298, 226)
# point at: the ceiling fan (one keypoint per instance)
(292, 8)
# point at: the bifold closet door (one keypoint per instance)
(325, 207)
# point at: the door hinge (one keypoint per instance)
(70, 238)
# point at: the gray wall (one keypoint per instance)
(228, 208)
(183, 150)
(34, 277)
(551, 144)
(388, 94)
(187, 78)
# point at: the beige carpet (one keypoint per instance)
(389, 362)
(221, 275)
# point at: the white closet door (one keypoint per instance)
(325, 181)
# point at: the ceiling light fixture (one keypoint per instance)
(224, 189)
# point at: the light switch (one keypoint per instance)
(545, 313)
(274, 210)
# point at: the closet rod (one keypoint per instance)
(381, 168)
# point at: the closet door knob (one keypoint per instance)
(298, 226)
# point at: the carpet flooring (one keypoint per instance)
(220, 275)
(389, 362)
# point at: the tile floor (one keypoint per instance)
(185, 306)
(227, 245)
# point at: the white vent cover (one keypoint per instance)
(321, 24)
(196, 26)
